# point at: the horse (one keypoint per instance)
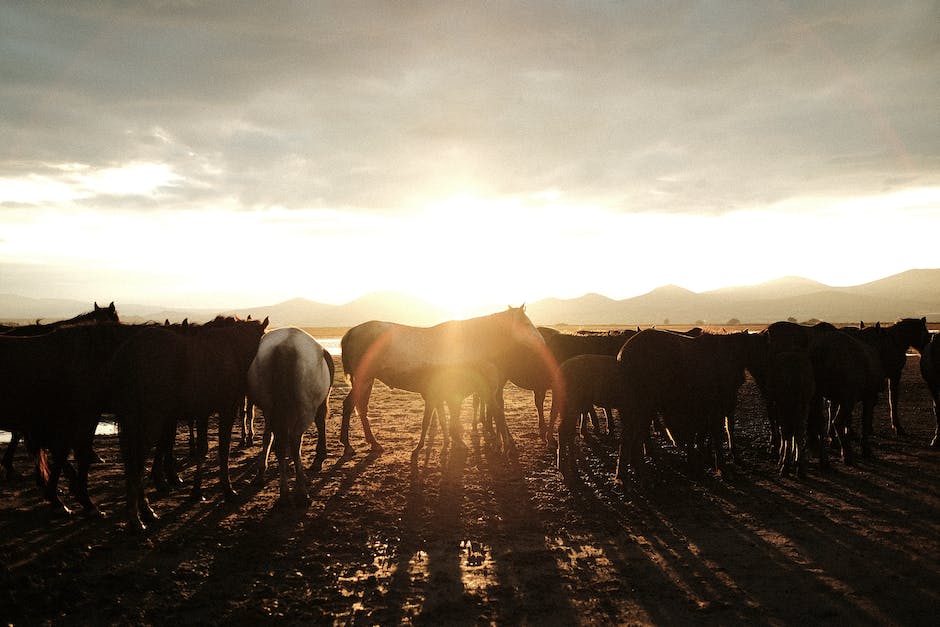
(930, 371)
(164, 374)
(54, 390)
(846, 372)
(395, 354)
(891, 343)
(587, 380)
(98, 314)
(290, 379)
(564, 346)
(691, 382)
(450, 384)
(789, 388)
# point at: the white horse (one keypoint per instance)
(400, 356)
(290, 380)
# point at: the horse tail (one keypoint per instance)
(280, 383)
(42, 466)
(329, 364)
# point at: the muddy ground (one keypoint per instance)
(476, 537)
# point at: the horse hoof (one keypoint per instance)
(348, 451)
(60, 509)
(376, 449)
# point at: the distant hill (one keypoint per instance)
(914, 293)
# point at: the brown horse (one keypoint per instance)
(846, 371)
(395, 354)
(162, 375)
(789, 388)
(930, 371)
(891, 344)
(449, 385)
(691, 382)
(98, 314)
(54, 390)
(587, 380)
(564, 346)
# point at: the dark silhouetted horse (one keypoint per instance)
(691, 382)
(398, 355)
(930, 371)
(847, 372)
(789, 388)
(54, 390)
(587, 380)
(564, 346)
(891, 344)
(290, 379)
(164, 374)
(98, 314)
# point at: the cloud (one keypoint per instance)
(676, 107)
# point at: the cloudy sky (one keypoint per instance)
(228, 154)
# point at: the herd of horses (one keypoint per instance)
(60, 379)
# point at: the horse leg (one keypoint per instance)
(84, 454)
(263, 454)
(799, 443)
(717, 428)
(425, 423)
(358, 400)
(508, 444)
(202, 450)
(456, 429)
(58, 456)
(193, 446)
(595, 422)
(935, 442)
(320, 420)
(894, 404)
(8, 455)
(248, 423)
(281, 446)
(539, 397)
(868, 411)
(300, 478)
(226, 421)
(565, 455)
(841, 425)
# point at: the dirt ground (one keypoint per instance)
(476, 537)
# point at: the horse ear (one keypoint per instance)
(924, 319)
(264, 325)
(111, 306)
(97, 308)
(878, 325)
(861, 324)
(249, 317)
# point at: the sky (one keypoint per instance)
(226, 154)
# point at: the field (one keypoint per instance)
(475, 537)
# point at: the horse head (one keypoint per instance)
(521, 329)
(912, 331)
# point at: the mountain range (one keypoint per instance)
(914, 293)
